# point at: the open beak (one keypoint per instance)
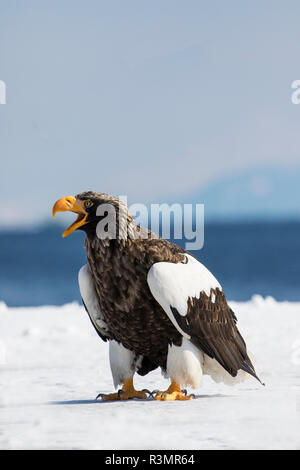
(70, 203)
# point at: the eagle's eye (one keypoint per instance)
(88, 203)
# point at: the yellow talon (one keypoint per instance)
(174, 392)
(127, 392)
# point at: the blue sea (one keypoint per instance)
(40, 267)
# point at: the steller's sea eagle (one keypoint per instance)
(154, 303)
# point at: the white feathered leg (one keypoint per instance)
(123, 364)
(184, 364)
(184, 367)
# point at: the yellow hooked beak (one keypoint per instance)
(70, 203)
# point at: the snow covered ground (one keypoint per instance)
(52, 365)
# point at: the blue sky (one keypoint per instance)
(157, 100)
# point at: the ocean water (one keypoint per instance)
(40, 267)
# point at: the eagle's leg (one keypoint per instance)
(174, 392)
(127, 392)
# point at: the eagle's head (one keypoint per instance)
(86, 205)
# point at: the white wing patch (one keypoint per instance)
(89, 297)
(171, 284)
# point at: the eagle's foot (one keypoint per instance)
(165, 396)
(108, 396)
(127, 392)
(172, 393)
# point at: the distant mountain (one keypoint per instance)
(261, 193)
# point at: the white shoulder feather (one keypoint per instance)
(171, 284)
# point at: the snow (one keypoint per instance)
(53, 364)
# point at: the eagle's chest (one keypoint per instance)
(121, 282)
(132, 314)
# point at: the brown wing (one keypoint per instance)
(212, 327)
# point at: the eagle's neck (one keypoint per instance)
(102, 250)
(115, 222)
(99, 245)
